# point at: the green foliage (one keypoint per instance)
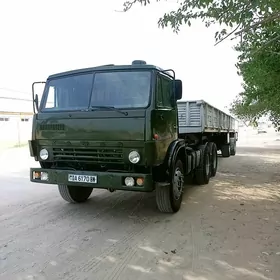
(247, 113)
(259, 65)
(257, 24)
(275, 118)
(260, 69)
(237, 15)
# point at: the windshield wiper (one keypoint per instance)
(110, 108)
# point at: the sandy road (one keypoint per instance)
(229, 229)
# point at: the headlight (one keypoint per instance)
(129, 181)
(44, 154)
(134, 157)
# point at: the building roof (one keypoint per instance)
(14, 101)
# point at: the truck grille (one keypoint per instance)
(54, 127)
(89, 155)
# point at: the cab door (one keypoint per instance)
(164, 117)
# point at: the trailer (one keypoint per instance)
(122, 127)
(199, 119)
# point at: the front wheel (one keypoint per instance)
(74, 194)
(169, 197)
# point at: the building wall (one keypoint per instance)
(15, 118)
(15, 132)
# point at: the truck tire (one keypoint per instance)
(203, 171)
(233, 149)
(214, 158)
(225, 150)
(74, 194)
(169, 198)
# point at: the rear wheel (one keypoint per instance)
(203, 171)
(225, 150)
(169, 197)
(74, 194)
(233, 148)
(214, 158)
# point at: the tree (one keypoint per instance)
(259, 65)
(247, 113)
(257, 24)
(239, 16)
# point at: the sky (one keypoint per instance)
(39, 38)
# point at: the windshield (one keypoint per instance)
(119, 89)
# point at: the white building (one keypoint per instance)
(15, 117)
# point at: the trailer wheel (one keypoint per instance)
(169, 198)
(233, 149)
(225, 150)
(203, 171)
(214, 158)
(74, 194)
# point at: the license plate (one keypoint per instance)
(82, 178)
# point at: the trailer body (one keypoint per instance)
(199, 119)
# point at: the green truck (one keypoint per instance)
(122, 127)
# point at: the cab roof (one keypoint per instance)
(110, 67)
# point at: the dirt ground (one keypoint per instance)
(229, 229)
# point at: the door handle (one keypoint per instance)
(161, 116)
(174, 126)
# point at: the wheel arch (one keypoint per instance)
(177, 149)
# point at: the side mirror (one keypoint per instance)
(178, 89)
(36, 102)
(35, 97)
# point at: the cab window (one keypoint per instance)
(163, 92)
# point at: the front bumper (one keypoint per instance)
(105, 180)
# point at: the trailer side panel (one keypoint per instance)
(198, 116)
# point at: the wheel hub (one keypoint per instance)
(178, 183)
